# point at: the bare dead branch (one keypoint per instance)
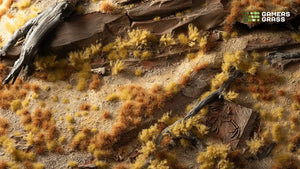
(282, 60)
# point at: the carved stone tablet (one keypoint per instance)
(231, 123)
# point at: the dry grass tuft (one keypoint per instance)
(3, 126)
(85, 106)
(95, 82)
(107, 7)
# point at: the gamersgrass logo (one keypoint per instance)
(252, 17)
(265, 16)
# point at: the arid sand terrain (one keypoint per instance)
(158, 84)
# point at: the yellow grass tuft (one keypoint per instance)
(254, 145)
(15, 105)
(183, 39)
(72, 164)
(215, 156)
(118, 66)
(167, 40)
(22, 4)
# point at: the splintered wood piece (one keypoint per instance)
(204, 18)
(283, 60)
(99, 70)
(270, 43)
(231, 123)
(152, 9)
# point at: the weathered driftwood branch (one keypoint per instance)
(21, 32)
(34, 31)
(282, 56)
(282, 60)
(213, 96)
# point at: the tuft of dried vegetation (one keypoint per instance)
(41, 130)
(192, 125)
(81, 140)
(10, 94)
(95, 82)
(215, 156)
(255, 144)
(167, 40)
(52, 68)
(117, 67)
(285, 160)
(84, 106)
(233, 16)
(138, 104)
(80, 60)
(5, 7)
(295, 140)
(20, 17)
(72, 164)
(183, 39)
(3, 126)
(106, 115)
(193, 35)
(135, 43)
(15, 105)
(107, 7)
(22, 4)
(17, 155)
(3, 164)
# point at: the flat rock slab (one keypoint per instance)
(80, 31)
(204, 18)
(152, 9)
(271, 43)
(125, 2)
(199, 85)
(231, 123)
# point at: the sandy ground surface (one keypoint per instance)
(162, 75)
